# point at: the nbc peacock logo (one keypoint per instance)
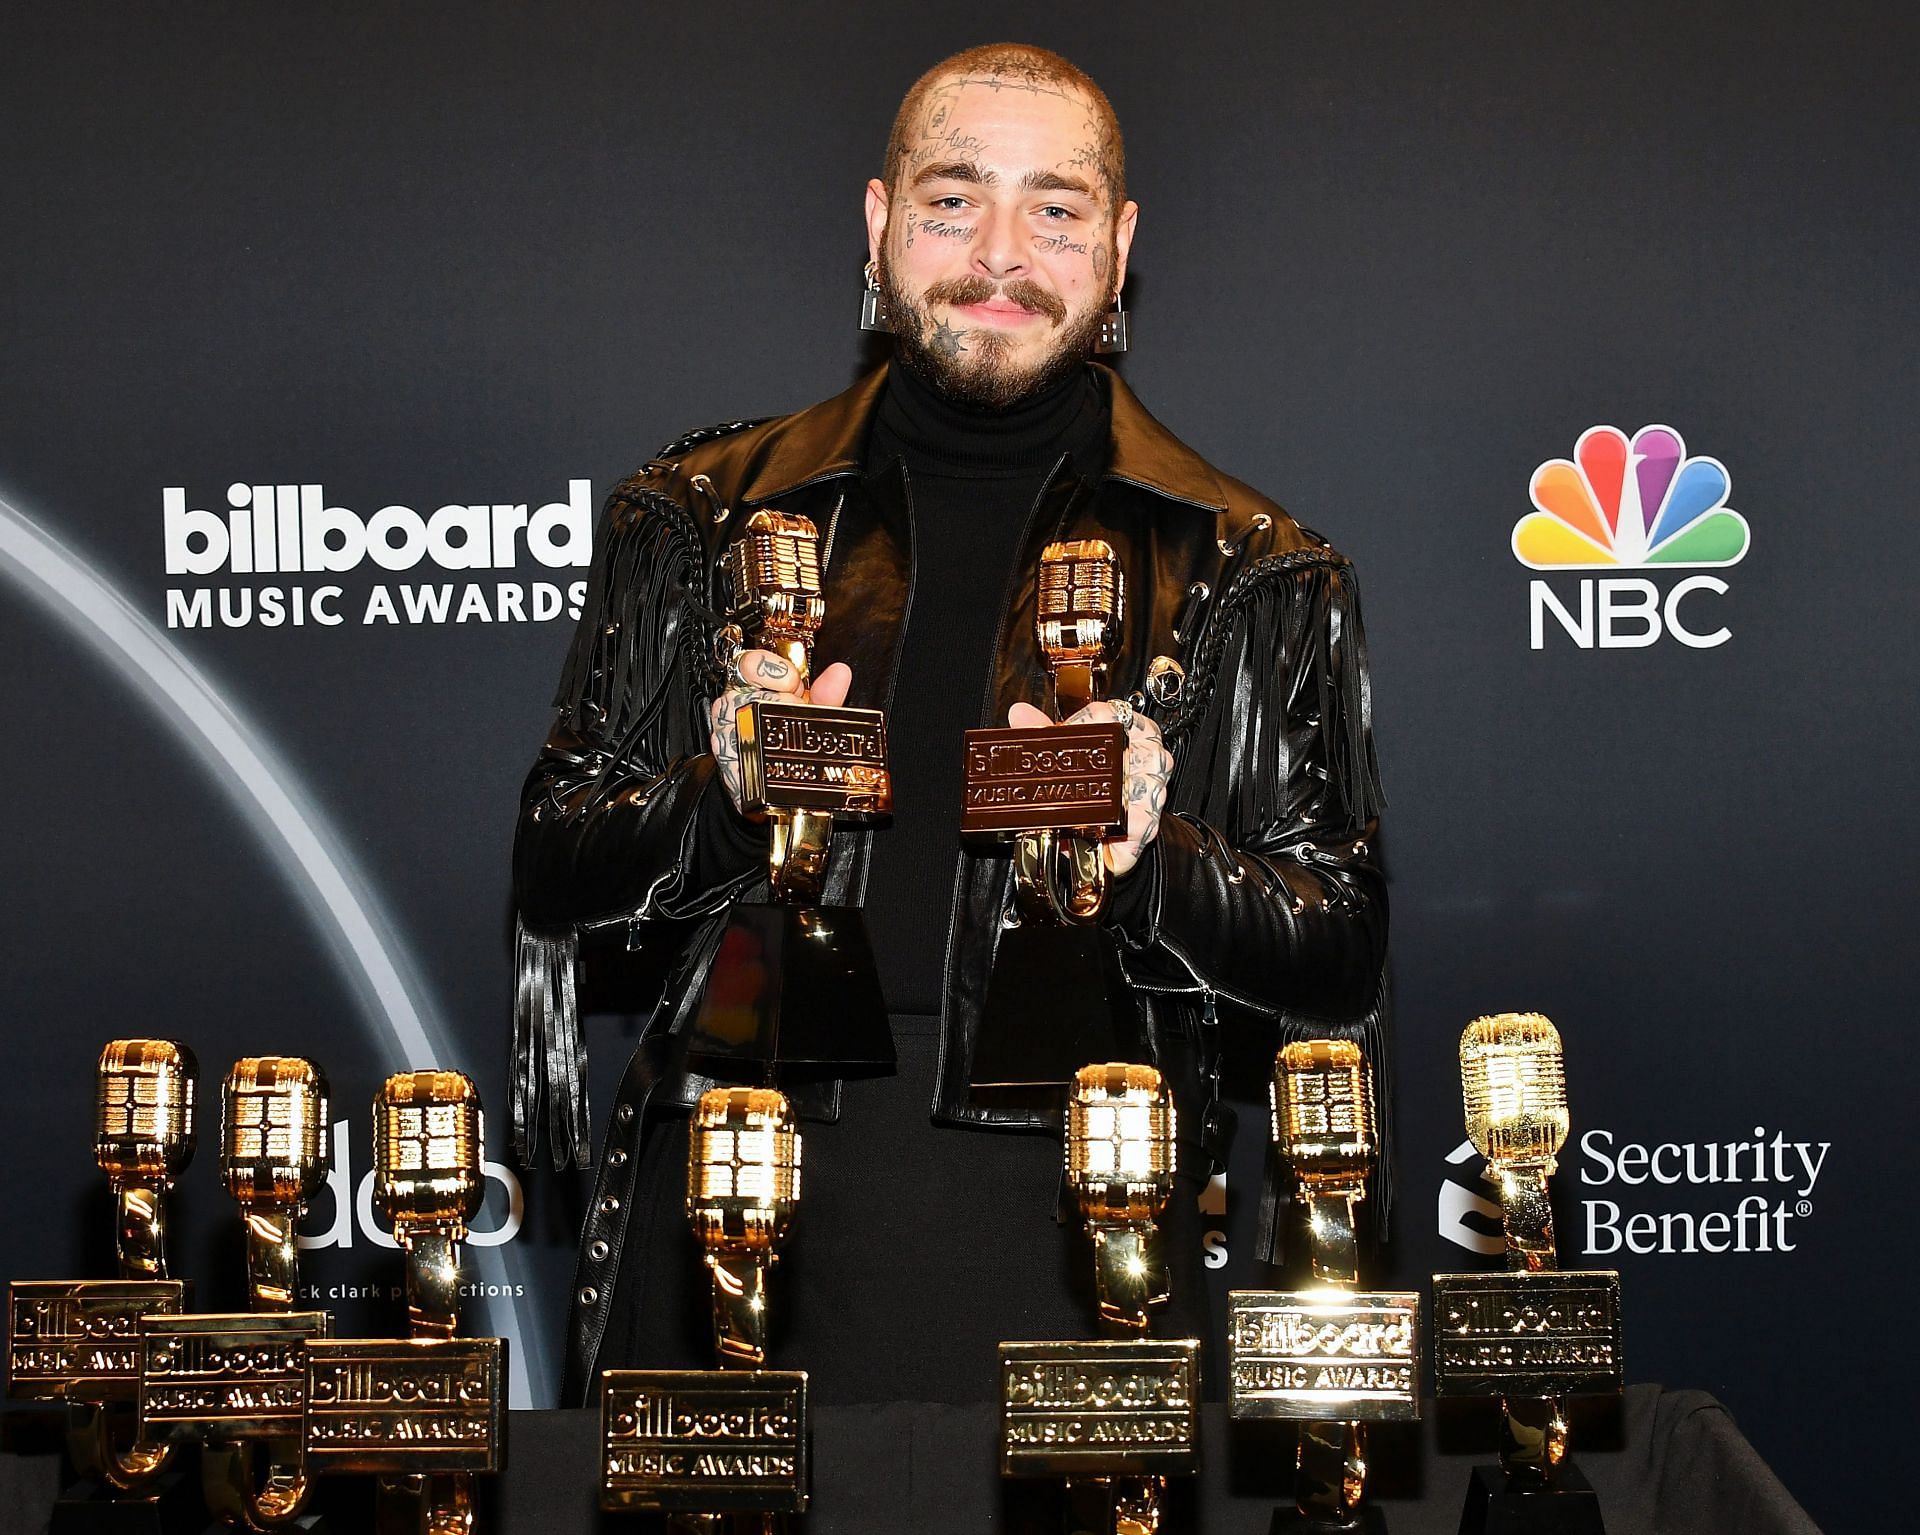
(1638, 501)
(1628, 503)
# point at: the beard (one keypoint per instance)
(975, 368)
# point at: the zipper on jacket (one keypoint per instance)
(833, 527)
(1207, 989)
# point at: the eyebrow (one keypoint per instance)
(950, 170)
(1053, 181)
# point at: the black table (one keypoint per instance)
(1663, 1462)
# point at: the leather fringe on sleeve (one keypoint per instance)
(627, 688)
(626, 678)
(549, 1051)
(1287, 639)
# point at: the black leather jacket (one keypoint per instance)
(1263, 900)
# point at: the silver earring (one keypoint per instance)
(1113, 329)
(873, 304)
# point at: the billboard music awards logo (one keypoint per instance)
(1735, 1196)
(1636, 503)
(290, 530)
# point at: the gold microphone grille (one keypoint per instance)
(1120, 1142)
(1079, 580)
(428, 1140)
(743, 1168)
(775, 570)
(1323, 1108)
(1514, 1080)
(274, 1141)
(143, 1124)
(1081, 600)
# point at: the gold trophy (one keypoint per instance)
(709, 1447)
(1115, 1418)
(816, 1001)
(426, 1412)
(1331, 1357)
(238, 1379)
(78, 1340)
(1535, 1333)
(1057, 792)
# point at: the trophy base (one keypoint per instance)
(1056, 1001)
(1367, 1520)
(792, 987)
(309, 1523)
(1567, 1505)
(171, 1506)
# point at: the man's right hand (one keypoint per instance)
(764, 675)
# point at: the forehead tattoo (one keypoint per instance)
(932, 150)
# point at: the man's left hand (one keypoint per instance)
(1144, 788)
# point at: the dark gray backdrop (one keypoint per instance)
(1390, 260)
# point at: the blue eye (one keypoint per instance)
(1055, 211)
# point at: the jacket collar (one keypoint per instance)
(826, 440)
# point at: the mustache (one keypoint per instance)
(974, 289)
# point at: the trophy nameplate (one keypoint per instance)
(1113, 1408)
(241, 1375)
(1053, 778)
(1324, 1356)
(811, 757)
(695, 1441)
(78, 1340)
(398, 1405)
(1522, 1334)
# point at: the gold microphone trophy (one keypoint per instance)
(1332, 1357)
(1057, 791)
(426, 1412)
(78, 1340)
(705, 1446)
(1533, 1334)
(1116, 1418)
(812, 993)
(238, 1379)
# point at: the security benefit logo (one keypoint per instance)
(1621, 503)
(291, 531)
(1747, 1194)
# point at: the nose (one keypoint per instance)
(999, 251)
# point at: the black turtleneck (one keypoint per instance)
(972, 478)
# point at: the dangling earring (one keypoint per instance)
(1113, 329)
(873, 304)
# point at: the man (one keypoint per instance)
(1243, 899)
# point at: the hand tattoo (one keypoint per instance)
(1148, 768)
(724, 719)
(1144, 778)
(723, 715)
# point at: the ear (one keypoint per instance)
(877, 204)
(1122, 243)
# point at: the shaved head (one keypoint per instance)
(916, 142)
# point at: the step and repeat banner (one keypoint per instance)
(1586, 331)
